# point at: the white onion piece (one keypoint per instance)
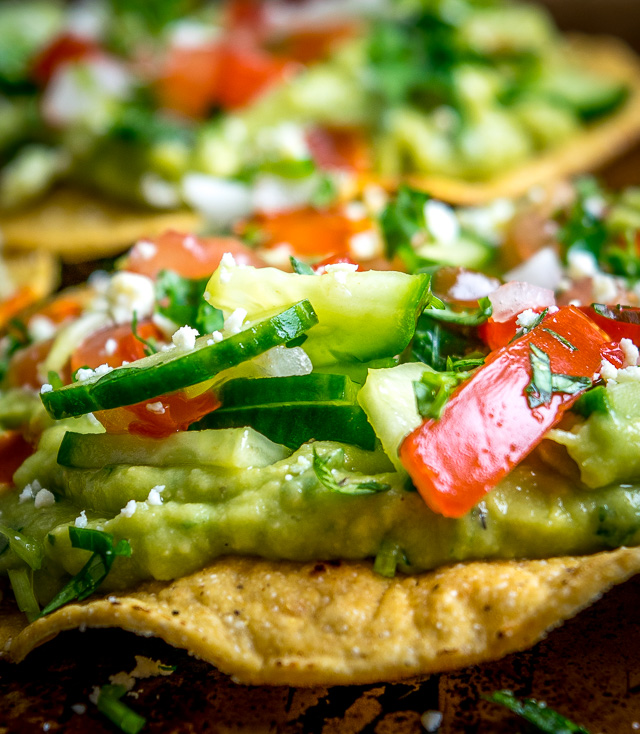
(543, 269)
(515, 297)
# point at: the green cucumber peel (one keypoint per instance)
(164, 372)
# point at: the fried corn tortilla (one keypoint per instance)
(595, 146)
(82, 226)
(325, 624)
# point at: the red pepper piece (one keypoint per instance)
(620, 322)
(487, 427)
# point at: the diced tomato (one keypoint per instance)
(247, 71)
(15, 303)
(488, 427)
(190, 256)
(24, 366)
(245, 18)
(160, 416)
(188, 82)
(63, 307)
(14, 449)
(311, 231)
(333, 148)
(620, 322)
(62, 49)
(114, 345)
(313, 44)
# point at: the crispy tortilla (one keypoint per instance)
(268, 622)
(80, 226)
(598, 144)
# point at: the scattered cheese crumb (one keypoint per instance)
(79, 708)
(25, 495)
(227, 261)
(110, 347)
(46, 388)
(185, 338)
(233, 324)
(129, 509)
(355, 210)
(527, 318)
(41, 328)
(44, 498)
(154, 497)
(630, 352)
(145, 249)
(581, 264)
(441, 222)
(157, 408)
(470, 286)
(365, 245)
(431, 720)
(130, 293)
(605, 288)
(87, 374)
(81, 521)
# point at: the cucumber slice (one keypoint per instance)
(466, 252)
(232, 448)
(362, 315)
(297, 423)
(166, 372)
(390, 404)
(247, 392)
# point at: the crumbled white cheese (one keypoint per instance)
(44, 498)
(431, 720)
(110, 347)
(365, 245)
(630, 352)
(219, 200)
(155, 498)
(129, 294)
(595, 206)
(84, 373)
(355, 210)
(129, 509)
(608, 371)
(340, 268)
(233, 324)
(185, 338)
(605, 288)
(81, 521)
(278, 256)
(46, 388)
(581, 264)
(157, 408)
(145, 249)
(79, 708)
(375, 198)
(158, 192)
(26, 494)
(216, 338)
(441, 222)
(527, 318)
(41, 328)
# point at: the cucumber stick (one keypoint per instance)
(362, 315)
(172, 370)
(316, 387)
(233, 448)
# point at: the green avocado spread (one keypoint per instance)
(254, 497)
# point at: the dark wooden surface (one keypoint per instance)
(588, 669)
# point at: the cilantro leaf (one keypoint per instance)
(544, 382)
(434, 390)
(300, 267)
(401, 220)
(537, 713)
(95, 570)
(149, 344)
(324, 474)
(181, 300)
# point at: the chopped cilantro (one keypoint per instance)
(324, 474)
(537, 713)
(434, 390)
(95, 570)
(544, 382)
(401, 220)
(300, 267)
(565, 342)
(149, 344)
(181, 300)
